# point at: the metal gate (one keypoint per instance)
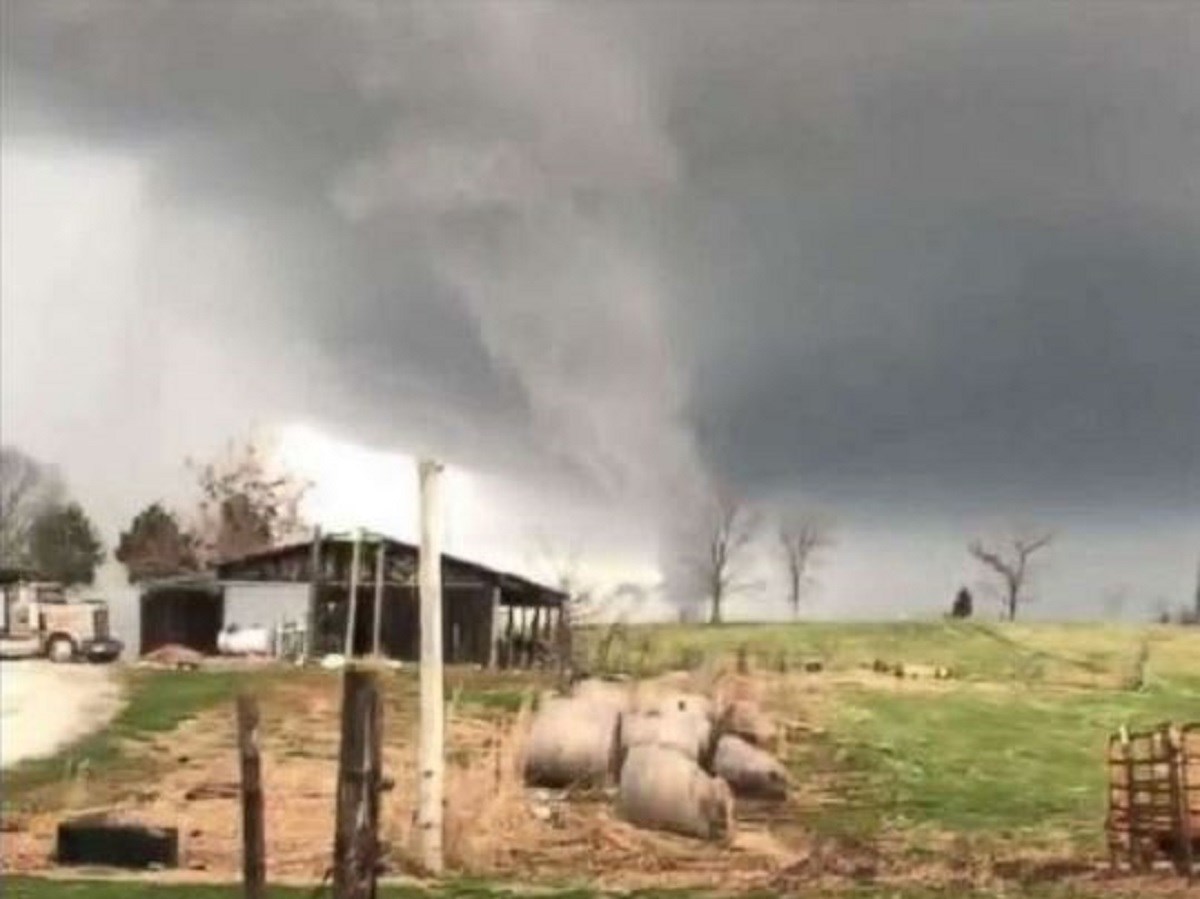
(1154, 798)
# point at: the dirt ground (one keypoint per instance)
(44, 706)
(495, 827)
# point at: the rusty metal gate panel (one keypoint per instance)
(1154, 798)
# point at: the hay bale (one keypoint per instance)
(682, 731)
(746, 719)
(572, 741)
(730, 688)
(913, 671)
(679, 681)
(750, 771)
(653, 698)
(662, 790)
(608, 694)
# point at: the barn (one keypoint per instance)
(488, 616)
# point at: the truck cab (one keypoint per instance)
(39, 618)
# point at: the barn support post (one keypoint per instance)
(377, 621)
(359, 782)
(314, 593)
(431, 755)
(510, 629)
(535, 636)
(562, 645)
(352, 596)
(254, 852)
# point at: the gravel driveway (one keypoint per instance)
(44, 706)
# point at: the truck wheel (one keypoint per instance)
(61, 649)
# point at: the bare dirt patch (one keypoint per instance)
(44, 706)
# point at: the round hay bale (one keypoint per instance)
(609, 694)
(663, 790)
(571, 742)
(685, 732)
(746, 719)
(750, 771)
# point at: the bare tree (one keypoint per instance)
(562, 567)
(1010, 562)
(728, 529)
(246, 505)
(801, 540)
(1196, 610)
(27, 489)
(588, 601)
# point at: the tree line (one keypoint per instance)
(724, 535)
(41, 527)
(241, 505)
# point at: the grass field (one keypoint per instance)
(1000, 767)
(1049, 654)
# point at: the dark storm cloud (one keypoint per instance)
(938, 251)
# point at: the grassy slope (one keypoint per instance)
(1024, 765)
(1010, 752)
(1062, 654)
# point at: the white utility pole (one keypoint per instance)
(433, 723)
(352, 598)
(377, 621)
(494, 638)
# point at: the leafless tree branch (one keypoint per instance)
(726, 532)
(27, 488)
(801, 540)
(1010, 563)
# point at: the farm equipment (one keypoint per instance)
(37, 618)
(1154, 798)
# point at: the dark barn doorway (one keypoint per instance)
(186, 616)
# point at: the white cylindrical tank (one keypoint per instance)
(245, 641)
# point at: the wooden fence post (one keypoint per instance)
(254, 866)
(356, 834)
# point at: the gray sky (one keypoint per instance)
(931, 266)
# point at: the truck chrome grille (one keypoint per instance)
(100, 623)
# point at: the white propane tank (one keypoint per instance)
(245, 641)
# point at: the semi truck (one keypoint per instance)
(38, 618)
